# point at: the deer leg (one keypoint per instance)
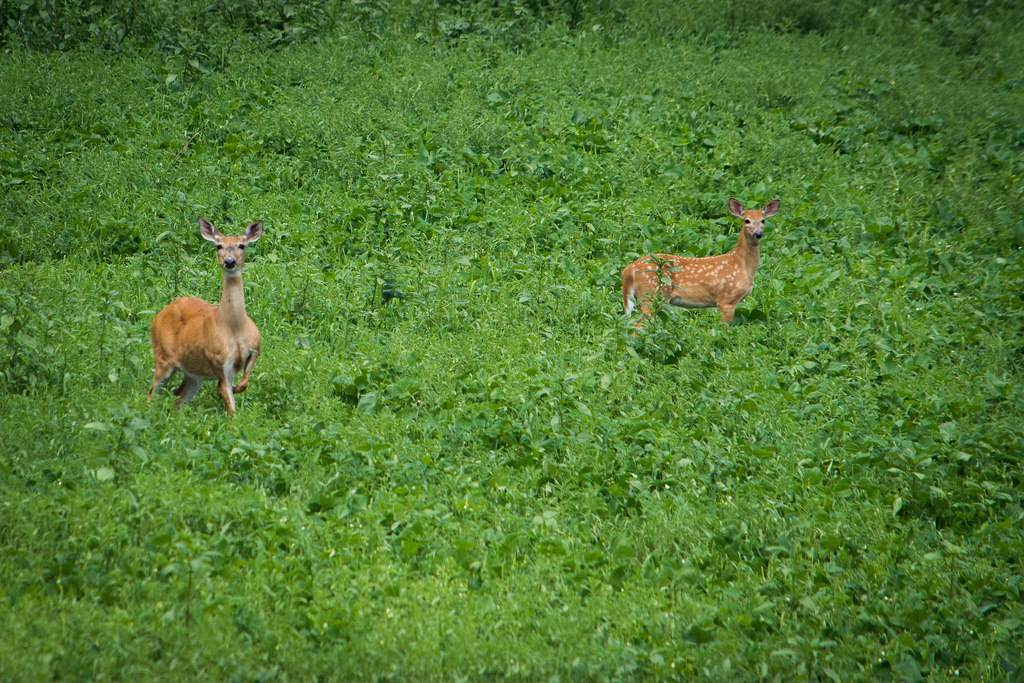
(161, 376)
(250, 361)
(727, 312)
(187, 391)
(224, 388)
(645, 315)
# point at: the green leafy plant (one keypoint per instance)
(454, 460)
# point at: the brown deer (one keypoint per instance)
(204, 341)
(722, 281)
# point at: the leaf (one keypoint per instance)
(161, 539)
(1009, 625)
(408, 548)
(700, 635)
(831, 674)
(583, 408)
(948, 431)
(367, 402)
(104, 474)
(551, 546)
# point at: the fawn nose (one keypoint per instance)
(759, 234)
(229, 263)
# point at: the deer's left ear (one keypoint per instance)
(771, 208)
(254, 231)
(735, 208)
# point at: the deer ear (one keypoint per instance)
(207, 230)
(254, 231)
(735, 208)
(771, 208)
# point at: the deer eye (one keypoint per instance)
(242, 247)
(220, 246)
(746, 220)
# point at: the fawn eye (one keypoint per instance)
(242, 247)
(220, 246)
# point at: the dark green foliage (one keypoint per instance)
(168, 25)
(453, 460)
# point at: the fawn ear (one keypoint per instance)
(735, 208)
(254, 231)
(771, 208)
(207, 230)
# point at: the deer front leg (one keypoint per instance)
(727, 311)
(250, 361)
(224, 389)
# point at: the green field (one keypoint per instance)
(454, 462)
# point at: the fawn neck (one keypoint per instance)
(232, 303)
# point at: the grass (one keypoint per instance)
(453, 461)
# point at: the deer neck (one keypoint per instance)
(749, 252)
(232, 303)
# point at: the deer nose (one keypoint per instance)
(758, 234)
(229, 263)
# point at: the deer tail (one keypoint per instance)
(628, 293)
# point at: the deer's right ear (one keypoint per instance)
(735, 208)
(207, 230)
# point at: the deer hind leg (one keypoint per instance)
(250, 361)
(646, 300)
(645, 314)
(187, 390)
(161, 376)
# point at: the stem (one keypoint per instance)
(103, 325)
(188, 596)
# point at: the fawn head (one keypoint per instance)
(231, 250)
(753, 220)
